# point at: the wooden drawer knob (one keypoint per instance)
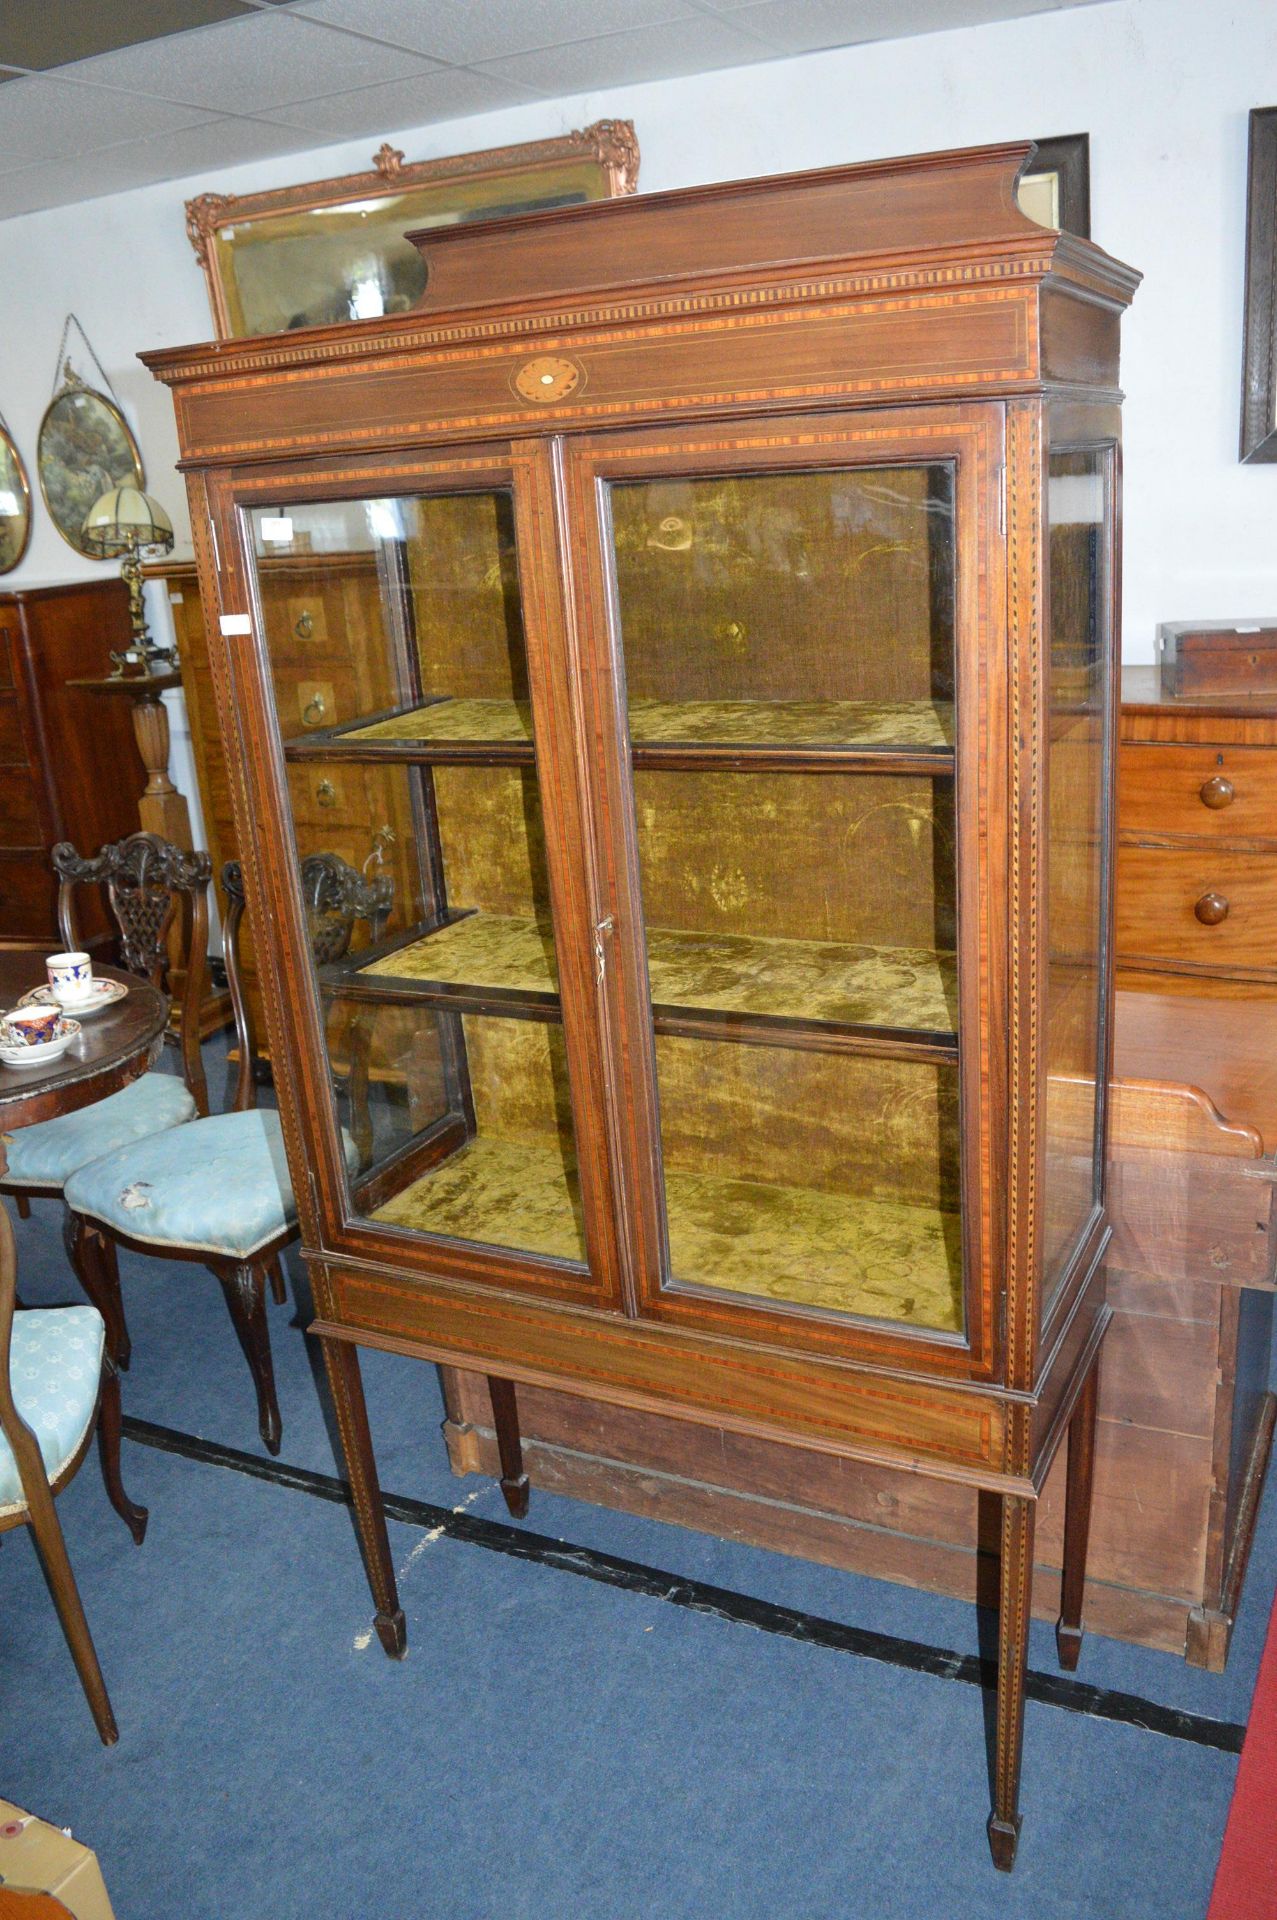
(1217, 792)
(1211, 909)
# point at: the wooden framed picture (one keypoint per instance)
(83, 449)
(1259, 345)
(334, 250)
(1056, 189)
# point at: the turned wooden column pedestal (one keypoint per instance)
(162, 809)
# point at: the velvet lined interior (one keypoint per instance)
(801, 979)
(740, 723)
(845, 1253)
(810, 609)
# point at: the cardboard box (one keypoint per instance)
(36, 1858)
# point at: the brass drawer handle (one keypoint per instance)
(304, 627)
(1211, 909)
(314, 710)
(326, 794)
(1217, 792)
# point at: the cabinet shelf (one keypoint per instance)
(838, 1252)
(903, 736)
(806, 992)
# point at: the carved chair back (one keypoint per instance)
(149, 883)
(336, 898)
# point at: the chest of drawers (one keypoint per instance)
(1197, 837)
(69, 765)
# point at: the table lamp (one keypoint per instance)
(127, 522)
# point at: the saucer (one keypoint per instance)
(45, 1054)
(105, 994)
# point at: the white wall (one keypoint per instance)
(1162, 86)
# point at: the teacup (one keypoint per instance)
(70, 978)
(30, 1026)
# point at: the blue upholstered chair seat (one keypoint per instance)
(218, 1186)
(47, 1154)
(55, 1367)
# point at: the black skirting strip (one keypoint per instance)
(697, 1596)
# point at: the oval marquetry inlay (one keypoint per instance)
(551, 376)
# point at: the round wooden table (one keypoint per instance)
(113, 1048)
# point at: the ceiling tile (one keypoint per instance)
(35, 33)
(225, 142)
(806, 26)
(463, 31)
(222, 142)
(45, 119)
(446, 94)
(696, 45)
(269, 60)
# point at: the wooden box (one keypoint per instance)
(1200, 657)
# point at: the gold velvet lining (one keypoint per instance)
(737, 723)
(502, 1193)
(793, 723)
(801, 979)
(878, 1258)
(482, 720)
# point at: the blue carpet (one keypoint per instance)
(551, 1747)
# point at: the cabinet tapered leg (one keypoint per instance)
(1077, 1520)
(1015, 1583)
(345, 1383)
(505, 1418)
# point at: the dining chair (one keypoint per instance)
(150, 884)
(57, 1384)
(217, 1191)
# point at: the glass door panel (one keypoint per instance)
(788, 644)
(1079, 515)
(394, 633)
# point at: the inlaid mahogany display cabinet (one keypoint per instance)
(744, 669)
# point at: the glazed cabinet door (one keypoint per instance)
(796, 630)
(1083, 477)
(417, 832)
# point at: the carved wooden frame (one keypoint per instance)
(1259, 346)
(611, 144)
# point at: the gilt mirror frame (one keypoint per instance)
(15, 520)
(1259, 344)
(598, 162)
(84, 448)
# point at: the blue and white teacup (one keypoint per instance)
(70, 978)
(30, 1026)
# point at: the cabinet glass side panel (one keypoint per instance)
(395, 642)
(788, 643)
(1079, 721)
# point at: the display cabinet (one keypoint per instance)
(741, 673)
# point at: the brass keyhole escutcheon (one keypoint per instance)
(1211, 909)
(1216, 792)
(550, 377)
